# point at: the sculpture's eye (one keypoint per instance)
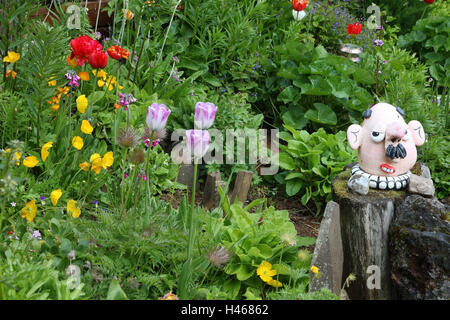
(377, 136)
(407, 135)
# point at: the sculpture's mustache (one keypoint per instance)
(396, 152)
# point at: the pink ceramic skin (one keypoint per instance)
(378, 138)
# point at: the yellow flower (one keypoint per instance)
(77, 142)
(100, 73)
(30, 161)
(128, 14)
(55, 107)
(265, 271)
(17, 156)
(86, 127)
(71, 62)
(12, 73)
(73, 209)
(29, 212)
(64, 90)
(108, 160)
(97, 163)
(44, 150)
(12, 57)
(55, 195)
(84, 76)
(314, 269)
(275, 283)
(52, 83)
(85, 166)
(82, 103)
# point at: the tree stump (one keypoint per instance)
(211, 195)
(241, 186)
(365, 221)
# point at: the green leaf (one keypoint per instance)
(323, 114)
(305, 241)
(289, 94)
(295, 119)
(244, 272)
(94, 97)
(286, 162)
(115, 292)
(293, 187)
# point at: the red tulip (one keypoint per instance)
(83, 47)
(117, 52)
(429, 1)
(98, 59)
(354, 28)
(299, 5)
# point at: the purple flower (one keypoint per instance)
(205, 112)
(95, 202)
(378, 42)
(73, 78)
(13, 204)
(126, 99)
(36, 234)
(384, 62)
(197, 142)
(157, 115)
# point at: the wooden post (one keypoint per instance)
(211, 196)
(241, 186)
(365, 221)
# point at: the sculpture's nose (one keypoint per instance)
(395, 132)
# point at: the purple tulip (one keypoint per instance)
(157, 115)
(197, 142)
(205, 112)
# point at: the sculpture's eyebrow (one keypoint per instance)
(366, 114)
(399, 110)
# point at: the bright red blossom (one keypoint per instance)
(117, 52)
(299, 5)
(83, 47)
(354, 28)
(98, 59)
(429, 1)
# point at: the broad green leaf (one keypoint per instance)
(115, 292)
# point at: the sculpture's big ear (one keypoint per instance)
(417, 132)
(354, 136)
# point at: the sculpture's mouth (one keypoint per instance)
(387, 168)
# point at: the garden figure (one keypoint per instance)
(386, 146)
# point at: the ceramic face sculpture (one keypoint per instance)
(386, 146)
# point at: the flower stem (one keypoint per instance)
(123, 182)
(191, 224)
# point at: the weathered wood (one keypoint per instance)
(365, 221)
(186, 175)
(241, 186)
(211, 196)
(328, 255)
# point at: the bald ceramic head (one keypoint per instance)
(386, 144)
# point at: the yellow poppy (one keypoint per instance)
(55, 195)
(71, 62)
(275, 283)
(97, 163)
(52, 83)
(77, 142)
(55, 107)
(29, 211)
(73, 209)
(100, 73)
(44, 150)
(265, 271)
(30, 161)
(82, 103)
(108, 160)
(64, 90)
(17, 156)
(84, 76)
(86, 127)
(12, 57)
(85, 166)
(314, 269)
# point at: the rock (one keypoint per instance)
(359, 184)
(426, 173)
(328, 255)
(419, 245)
(421, 185)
